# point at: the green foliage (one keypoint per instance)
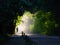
(42, 22)
(18, 21)
(31, 27)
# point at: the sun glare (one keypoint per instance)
(25, 24)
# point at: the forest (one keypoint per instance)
(46, 16)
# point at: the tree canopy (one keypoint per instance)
(10, 8)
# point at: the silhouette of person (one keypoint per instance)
(17, 29)
(23, 34)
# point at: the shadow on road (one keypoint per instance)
(4, 39)
(27, 39)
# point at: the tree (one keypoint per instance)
(43, 23)
(10, 8)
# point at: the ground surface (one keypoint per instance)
(37, 39)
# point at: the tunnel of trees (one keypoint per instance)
(10, 9)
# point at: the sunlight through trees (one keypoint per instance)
(40, 22)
